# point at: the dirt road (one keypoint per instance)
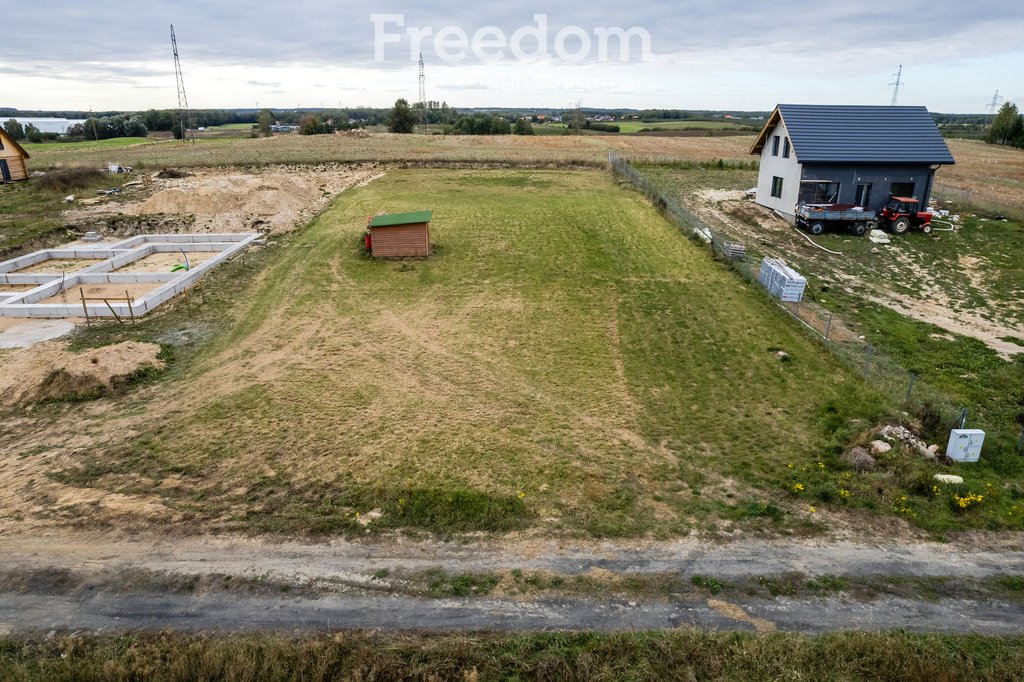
(361, 599)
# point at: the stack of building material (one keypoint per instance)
(735, 251)
(782, 281)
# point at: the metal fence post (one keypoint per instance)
(828, 329)
(1020, 443)
(910, 387)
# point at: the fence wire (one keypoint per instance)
(900, 385)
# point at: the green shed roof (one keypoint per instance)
(387, 220)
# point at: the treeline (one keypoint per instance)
(1007, 127)
(94, 128)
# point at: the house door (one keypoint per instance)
(5, 171)
(863, 194)
(902, 189)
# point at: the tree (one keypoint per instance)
(264, 121)
(33, 134)
(401, 119)
(523, 127)
(311, 125)
(14, 129)
(1007, 127)
(134, 127)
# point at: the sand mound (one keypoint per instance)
(275, 199)
(48, 370)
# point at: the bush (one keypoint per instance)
(65, 180)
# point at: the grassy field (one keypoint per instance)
(976, 270)
(45, 148)
(686, 655)
(637, 126)
(556, 150)
(566, 360)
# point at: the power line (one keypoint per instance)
(186, 119)
(896, 85)
(993, 106)
(423, 83)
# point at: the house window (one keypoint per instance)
(902, 189)
(825, 193)
(863, 194)
(777, 186)
(785, 149)
(775, 145)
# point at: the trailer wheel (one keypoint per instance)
(927, 228)
(859, 229)
(817, 228)
(900, 225)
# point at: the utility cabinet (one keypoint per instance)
(965, 445)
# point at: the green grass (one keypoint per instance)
(565, 358)
(953, 371)
(684, 654)
(31, 215)
(88, 145)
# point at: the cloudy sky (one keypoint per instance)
(683, 54)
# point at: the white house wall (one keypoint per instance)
(778, 166)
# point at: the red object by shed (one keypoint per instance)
(400, 235)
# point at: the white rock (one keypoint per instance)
(934, 448)
(948, 478)
(880, 447)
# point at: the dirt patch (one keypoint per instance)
(272, 198)
(165, 262)
(48, 370)
(61, 265)
(738, 614)
(73, 295)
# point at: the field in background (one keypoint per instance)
(566, 360)
(636, 126)
(558, 150)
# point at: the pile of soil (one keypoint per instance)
(271, 199)
(49, 371)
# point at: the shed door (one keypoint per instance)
(5, 171)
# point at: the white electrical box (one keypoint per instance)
(965, 445)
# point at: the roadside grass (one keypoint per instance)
(952, 370)
(565, 359)
(591, 657)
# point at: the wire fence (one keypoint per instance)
(903, 387)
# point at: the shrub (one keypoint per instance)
(64, 180)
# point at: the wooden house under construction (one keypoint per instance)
(400, 235)
(12, 159)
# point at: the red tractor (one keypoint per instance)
(901, 214)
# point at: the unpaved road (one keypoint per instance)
(100, 607)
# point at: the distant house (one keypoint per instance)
(400, 234)
(12, 159)
(858, 155)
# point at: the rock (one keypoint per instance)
(880, 447)
(858, 458)
(876, 250)
(934, 449)
(948, 478)
(782, 355)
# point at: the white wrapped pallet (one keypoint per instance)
(782, 281)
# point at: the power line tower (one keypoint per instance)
(993, 106)
(896, 85)
(186, 119)
(423, 84)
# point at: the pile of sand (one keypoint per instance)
(48, 370)
(271, 198)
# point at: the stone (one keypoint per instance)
(859, 458)
(934, 449)
(948, 478)
(880, 447)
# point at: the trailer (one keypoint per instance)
(816, 218)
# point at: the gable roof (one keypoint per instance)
(873, 134)
(14, 143)
(390, 220)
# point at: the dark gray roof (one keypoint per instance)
(880, 134)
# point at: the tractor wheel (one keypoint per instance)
(927, 228)
(900, 225)
(860, 229)
(817, 228)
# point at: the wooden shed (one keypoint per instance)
(400, 234)
(12, 159)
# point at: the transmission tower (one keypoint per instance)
(423, 84)
(186, 119)
(896, 85)
(993, 106)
